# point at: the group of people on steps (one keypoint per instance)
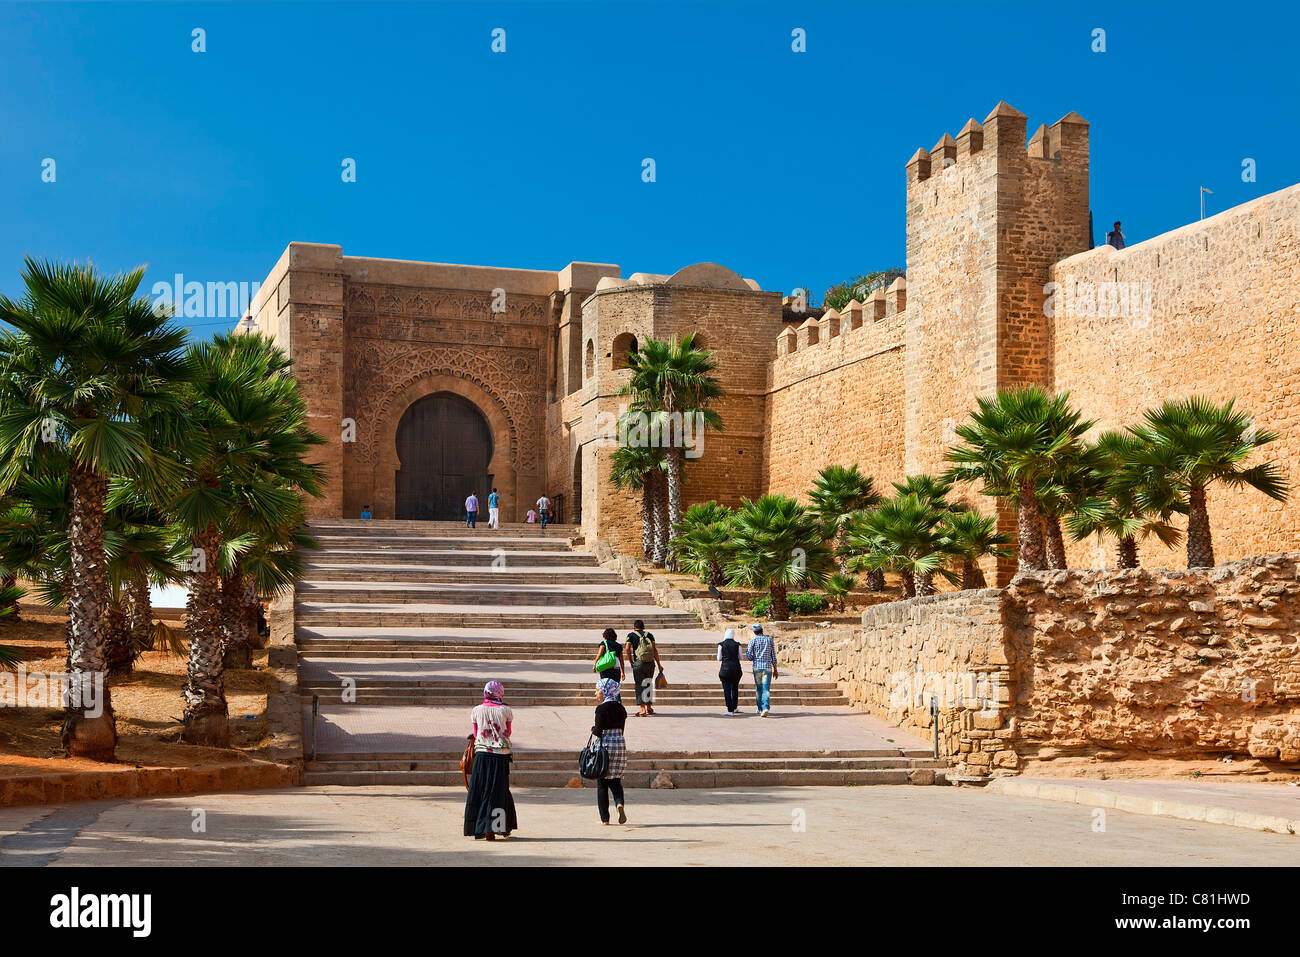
(489, 805)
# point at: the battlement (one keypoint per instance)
(1002, 131)
(835, 324)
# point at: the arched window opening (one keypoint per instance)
(624, 347)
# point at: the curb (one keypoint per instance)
(64, 787)
(1141, 804)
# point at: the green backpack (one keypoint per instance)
(645, 649)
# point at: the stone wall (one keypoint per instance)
(1223, 321)
(838, 399)
(949, 646)
(1179, 664)
(1185, 664)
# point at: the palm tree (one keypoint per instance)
(1192, 443)
(702, 545)
(1013, 442)
(89, 362)
(970, 536)
(838, 587)
(1127, 502)
(932, 490)
(778, 545)
(840, 492)
(10, 655)
(902, 535)
(929, 488)
(672, 383)
(246, 422)
(641, 469)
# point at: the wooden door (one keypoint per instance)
(444, 447)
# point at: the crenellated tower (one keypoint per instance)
(987, 216)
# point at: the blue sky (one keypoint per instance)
(787, 167)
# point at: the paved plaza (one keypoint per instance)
(419, 826)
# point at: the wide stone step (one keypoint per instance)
(477, 592)
(684, 779)
(566, 763)
(333, 648)
(398, 685)
(338, 614)
(390, 527)
(474, 557)
(657, 754)
(318, 572)
(484, 541)
(666, 697)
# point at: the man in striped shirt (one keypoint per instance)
(761, 650)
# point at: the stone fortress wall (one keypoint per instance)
(993, 216)
(1212, 308)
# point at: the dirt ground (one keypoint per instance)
(147, 704)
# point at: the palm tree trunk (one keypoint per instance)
(875, 580)
(673, 460)
(206, 713)
(717, 577)
(647, 517)
(1055, 541)
(660, 519)
(119, 655)
(972, 576)
(1029, 531)
(252, 609)
(909, 583)
(10, 581)
(780, 605)
(237, 652)
(1200, 549)
(1128, 553)
(139, 612)
(86, 734)
(924, 584)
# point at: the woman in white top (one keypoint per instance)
(489, 806)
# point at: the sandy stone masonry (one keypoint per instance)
(1169, 663)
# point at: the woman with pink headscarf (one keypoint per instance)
(489, 807)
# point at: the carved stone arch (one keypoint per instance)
(504, 466)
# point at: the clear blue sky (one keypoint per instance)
(786, 167)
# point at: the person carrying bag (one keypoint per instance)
(643, 655)
(609, 657)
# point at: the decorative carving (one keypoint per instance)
(380, 372)
(427, 303)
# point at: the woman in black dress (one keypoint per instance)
(729, 671)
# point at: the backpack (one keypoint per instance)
(645, 649)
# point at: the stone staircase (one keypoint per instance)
(399, 625)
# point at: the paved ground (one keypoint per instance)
(422, 826)
(540, 727)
